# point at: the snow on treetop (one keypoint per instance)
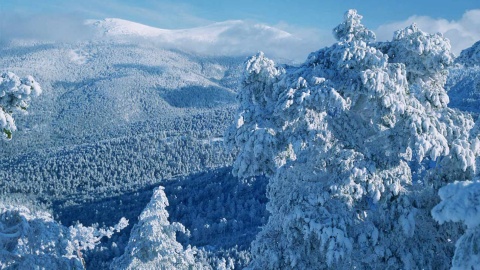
(423, 54)
(15, 95)
(263, 67)
(352, 29)
(11, 84)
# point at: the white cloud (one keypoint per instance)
(282, 42)
(309, 40)
(462, 33)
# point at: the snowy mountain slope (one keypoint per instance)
(471, 56)
(124, 112)
(210, 33)
(228, 38)
(463, 87)
(98, 89)
(463, 84)
(115, 116)
(113, 26)
(118, 95)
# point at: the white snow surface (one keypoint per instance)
(104, 84)
(209, 33)
(231, 38)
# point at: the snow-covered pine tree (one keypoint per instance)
(153, 244)
(15, 95)
(356, 141)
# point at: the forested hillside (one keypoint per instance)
(116, 118)
(463, 84)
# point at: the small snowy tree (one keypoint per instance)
(356, 142)
(15, 95)
(153, 243)
(31, 239)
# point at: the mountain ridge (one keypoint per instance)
(208, 33)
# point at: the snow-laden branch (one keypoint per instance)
(82, 238)
(15, 95)
(31, 239)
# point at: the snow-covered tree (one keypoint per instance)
(31, 239)
(153, 244)
(15, 95)
(461, 203)
(356, 141)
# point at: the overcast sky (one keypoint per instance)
(311, 20)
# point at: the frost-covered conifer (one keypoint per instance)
(153, 244)
(15, 95)
(356, 141)
(31, 239)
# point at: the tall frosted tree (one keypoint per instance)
(356, 142)
(153, 244)
(15, 95)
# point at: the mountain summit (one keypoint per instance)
(210, 33)
(228, 38)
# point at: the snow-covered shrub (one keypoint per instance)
(356, 141)
(153, 244)
(461, 203)
(31, 239)
(15, 95)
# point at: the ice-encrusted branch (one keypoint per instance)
(15, 95)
